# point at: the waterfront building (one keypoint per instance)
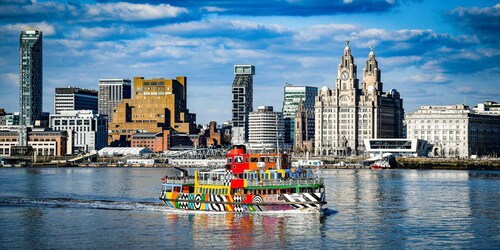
(264, 128)
(303, 129)
(242, 91)
(159, 104)
(156, 142)
(42, 142)
(112, 92)
(487, 108)
(455, 130)
(30, 76)
(397, 146)
(7, 140)
(292, 96)
(71, 98)
(350, 113)
(12, 119)
(87, 130)
(46, 142)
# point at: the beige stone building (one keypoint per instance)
(455, 130)
(158, 104)
(350, 113)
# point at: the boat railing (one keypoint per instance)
(285, 182)
(180, 180)
(211, 182)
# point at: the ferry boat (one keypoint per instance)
(249, 183)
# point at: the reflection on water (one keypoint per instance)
(119, 208)
(237, 231)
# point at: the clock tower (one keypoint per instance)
(347, 76)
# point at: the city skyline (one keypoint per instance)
(449, 55)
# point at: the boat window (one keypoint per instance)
(254, 159)
(177, 189)
(270, 159)
(229, 160)
(279, 175)
(263, 159)
(246, 160)
(238, 159)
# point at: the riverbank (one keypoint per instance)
(403, 163)
(449, 164)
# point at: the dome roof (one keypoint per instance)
(324, 89)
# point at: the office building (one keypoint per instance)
(455, 130)
(292, 96)
(30, 76)
(242, 91)
(112, 92)
(159, 104)
(87, 130)
(265, 129)
(487, 108)
(42, 142)
(349, 114)
(71, 98)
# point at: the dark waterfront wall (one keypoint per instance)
(452, 164)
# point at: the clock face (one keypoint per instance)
(344, 75)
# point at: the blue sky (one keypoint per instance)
(432, 52)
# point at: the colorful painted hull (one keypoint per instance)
(302, 202)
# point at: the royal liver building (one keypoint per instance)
(348, 114)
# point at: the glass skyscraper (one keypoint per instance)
(30, 76)
(292, 96)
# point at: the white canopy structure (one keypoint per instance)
(115, 151)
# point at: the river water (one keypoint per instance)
(68, 208)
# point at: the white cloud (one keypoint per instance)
(46, 28)
(10, 79)
(428, 78)
(132, 12)
(212, 9)
(317, 32)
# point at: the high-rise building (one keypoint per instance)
(112, 92)
(30, 76)
(292, 96)
(87, 129)
(159, 104)
(242, 102)
(71, 98)
(349, 114)
(265, 128)
(455, 130)
(303, 139)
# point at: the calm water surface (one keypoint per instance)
(67, 208)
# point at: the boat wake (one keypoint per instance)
(79, 203)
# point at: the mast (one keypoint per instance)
(278, 160)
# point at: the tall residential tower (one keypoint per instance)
(30, 76)
(242, 102)
(112, 92)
